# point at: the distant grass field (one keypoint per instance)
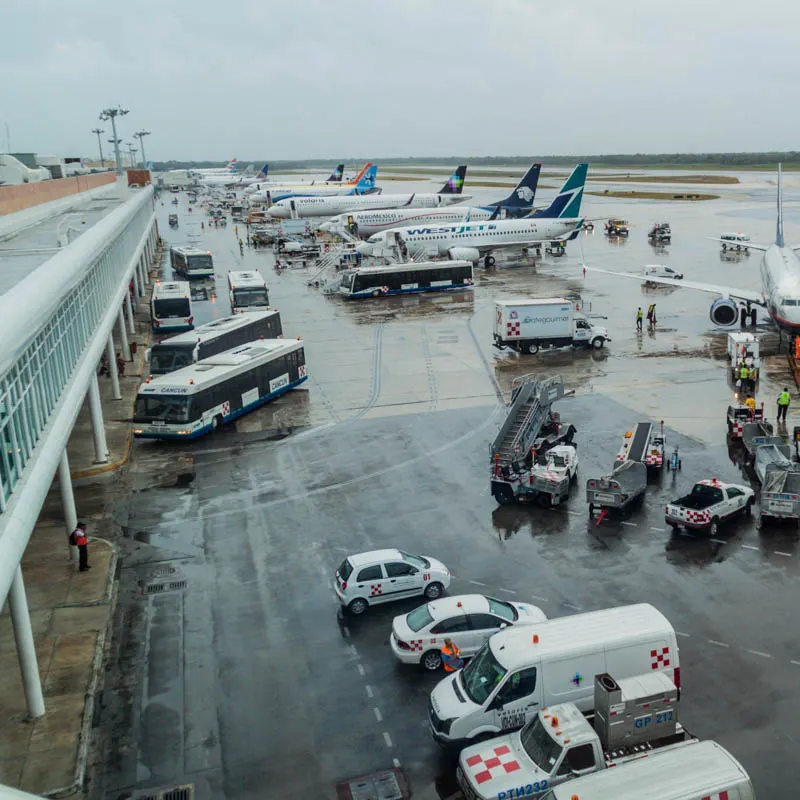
(636, 195)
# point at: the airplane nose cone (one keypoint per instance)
(275, 211)
(365, 248)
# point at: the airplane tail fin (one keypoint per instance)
(567, 203)
(231, 165)
(336, 175)
(248, 172)
(779, 229)
(525, 191)
(455, 183)
(367, 180)
(264, 172)
(360, 175)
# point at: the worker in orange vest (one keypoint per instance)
(79, 539)
(451, 656)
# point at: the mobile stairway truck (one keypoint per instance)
(531, 430)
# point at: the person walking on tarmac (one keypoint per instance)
(241, 247)
(744, 376)
(79, 539)
(451, 656)
(639, 319)
(783, 404)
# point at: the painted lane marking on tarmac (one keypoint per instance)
(786, 555)
(346, 631)
(539, 597)
(387, 739)
(361, 670)
(510, 591)
(378, 715)
(477, 583)
(718, 541)
(758, 653)
(396, 762)
(629, 524)
(685, 635)
(796, 663)
(369, 690)
(654, 528)
(353, 650)
(718, 644)
(749, 547)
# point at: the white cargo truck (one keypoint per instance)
(526, 324)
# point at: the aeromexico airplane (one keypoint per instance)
(448, 195)
(471, 241)
(363, 183)
(780, 284)
(365, 223)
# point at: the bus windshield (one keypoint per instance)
(171, 307)
(164, 358)
(347, 281)
(250, 297)
(166, 408)
(204, 262)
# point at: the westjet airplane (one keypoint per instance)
(365, 223)
(295, 207)
(780, 284)
(472, 241)
(363, 183)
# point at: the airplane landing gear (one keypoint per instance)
(488, 261)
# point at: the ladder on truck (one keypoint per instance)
(327, 260)
(639, 441)
(527, 413)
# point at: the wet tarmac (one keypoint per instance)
(237, 675)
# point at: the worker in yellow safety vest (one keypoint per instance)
(783, 404)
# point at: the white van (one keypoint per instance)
(697, 772)
(520, 670)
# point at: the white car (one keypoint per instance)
(468, 619)
(382, 576)
(661, 271)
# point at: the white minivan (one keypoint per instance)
(519, 670)
(698, 772)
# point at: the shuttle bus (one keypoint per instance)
(426, 276)
(189, 262)
(247, 291)
(199, 398)
(213, 338)
(171, 306)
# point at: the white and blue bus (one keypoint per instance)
(190, 262)
(247, 290)
(171, 306)
(426, 276)
(212, 338)
(199, 398)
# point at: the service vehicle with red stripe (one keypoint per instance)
(546, 482)
(523, 668)
(709, 504)
(633, 719)
(467, 619)
(382, 576)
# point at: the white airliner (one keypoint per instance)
(235, 180)
(229, 168)
(780, 284)
(363, 183)
(334, 178)
(295, 207)
(364, 223)
(469, 241)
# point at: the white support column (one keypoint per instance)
(26, 649)
(129, 310)
(137, 281)
(146, 269)
(67, 496)
(98, 429)
(123, 336)
(112, 367)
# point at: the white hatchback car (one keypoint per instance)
(468, 619)
(381, 576)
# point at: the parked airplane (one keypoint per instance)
(363, 183)
(470, 241)
(780, 284)
(334, 177)
(295, 207)
(229, 168)
(365, 223)
(233, 180)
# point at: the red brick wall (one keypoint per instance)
(15, 198)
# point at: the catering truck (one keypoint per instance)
(634, 718)
(525, 325)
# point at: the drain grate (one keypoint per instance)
(168, 586)
(185, 792)
(164, 572)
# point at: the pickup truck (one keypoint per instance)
(709, 504)
(560, 744)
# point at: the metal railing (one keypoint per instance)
(46, 323)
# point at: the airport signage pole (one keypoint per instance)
(140, 136)
(112, 114)
(98, 131)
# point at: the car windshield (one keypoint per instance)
(345, 568)
(418, 561)
(419, 618)
(501, 609)
(543, 750)
(481, 675)
(164, 408)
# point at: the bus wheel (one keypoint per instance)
(376, 292)
(216, 422)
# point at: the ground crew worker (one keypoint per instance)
(78, 539)
(750, 402)
(451, 656)
(639, 318)
(744, 375)
(783, 404)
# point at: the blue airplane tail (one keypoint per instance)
(455, 183)
(367, 182)
(264, 172)
(336, 175)
(567, 203)
(524, 192)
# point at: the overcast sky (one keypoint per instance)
(372, 78)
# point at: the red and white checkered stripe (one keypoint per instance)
(301, 371)
(226, 408)
(512, 328)
(375, 589)
(659, 659)
(720, 796)
(500, 759)
(737, 431)
(654, 460)
(698, 516)
(415, 645)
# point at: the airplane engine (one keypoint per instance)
(464, 254)
(724, 312)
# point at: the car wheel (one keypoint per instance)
(748, 509)
(358, 606)
(713, 529)
(544, 500)
(433, 590)
(432, 660)
(597, 342)
(531, 348)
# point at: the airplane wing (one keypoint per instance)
(748, 295)
(748, 244)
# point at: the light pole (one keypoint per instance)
(98, 131)
(112, 114)
(140, 136)
(132, 150)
